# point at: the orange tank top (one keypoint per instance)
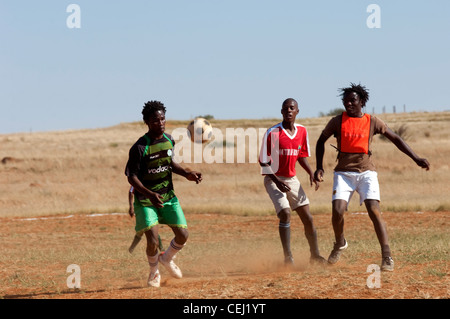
(355, 133)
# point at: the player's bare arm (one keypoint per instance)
(402, 146)
(303, 161)
(188, 174)
(130, 203)
(155, 198)
(320, 151)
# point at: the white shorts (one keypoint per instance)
(365, 184)
(293, 199)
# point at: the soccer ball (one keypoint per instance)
(199, 130)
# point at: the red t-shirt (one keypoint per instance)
(288, 148)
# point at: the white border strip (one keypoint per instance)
(70, 216)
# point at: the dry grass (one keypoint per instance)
(223, 259)
(83, 171)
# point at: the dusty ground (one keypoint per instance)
(227, 257)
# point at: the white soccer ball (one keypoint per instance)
(200, 130)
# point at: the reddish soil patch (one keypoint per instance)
(226, 257)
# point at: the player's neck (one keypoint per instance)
(288, 126)
(155, 135)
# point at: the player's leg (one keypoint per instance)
(374, 211)
(147, 223)
(337, 219)
(369, 190)
(284, 230)
(152, 256)
(177, 243)
(136, 240)
(138, 236)
(172, 215)
(160, 244)
(310, 233)
(298, 199)
(152, 241)
(283, 210)
(344, 184)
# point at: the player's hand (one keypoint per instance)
(194, 176)
(422, 162)
(156, 200)
(282, 186)
(131, 212)
(313, 180)
(318, 175)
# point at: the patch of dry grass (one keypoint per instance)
(83, 171)
(223, 259)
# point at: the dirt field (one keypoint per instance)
(63, 201)
(227, 257)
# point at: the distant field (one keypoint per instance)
(83, 171)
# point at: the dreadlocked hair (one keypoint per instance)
(362, 92)
(151, 107)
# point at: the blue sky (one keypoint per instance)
(231, 59)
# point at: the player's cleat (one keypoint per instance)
(387, 264)
(171, 267)
(317, 260)
(154, 280)
(135, 242)
(336, 252)
(289, 262)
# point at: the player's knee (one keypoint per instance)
(152, 240)
(339, 207)
(285, 216)
(152, 248)
(373, 206)
(307, 220)
(181, 235)
(152, 243)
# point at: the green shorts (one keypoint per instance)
(148, 216)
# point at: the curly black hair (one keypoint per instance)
(151, 107)
(362, 92)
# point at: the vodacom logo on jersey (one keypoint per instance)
(160, 169)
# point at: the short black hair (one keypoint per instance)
(151, 107)
(359, 89)
(289, 100)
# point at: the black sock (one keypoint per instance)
(285, 236)
(312, 241)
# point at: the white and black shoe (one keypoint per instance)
(336, 252)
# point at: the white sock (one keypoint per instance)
(153, 262)
(172, 250)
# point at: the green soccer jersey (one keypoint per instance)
(150, 160)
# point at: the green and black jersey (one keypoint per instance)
(150, 160)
